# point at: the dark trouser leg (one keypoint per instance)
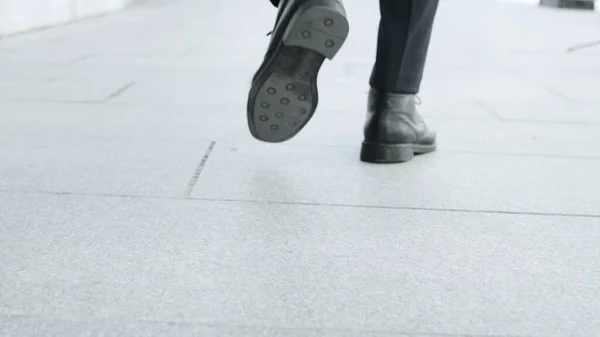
(404, 34)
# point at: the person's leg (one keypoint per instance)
(404, 34)
(284, 95)
(394, 130)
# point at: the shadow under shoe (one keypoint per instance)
(394, 130)
(284, 94)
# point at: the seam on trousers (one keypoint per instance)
(408, 40)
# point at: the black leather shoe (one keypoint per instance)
(284, 95)
(394, 130)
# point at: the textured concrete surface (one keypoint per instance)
(134, 202)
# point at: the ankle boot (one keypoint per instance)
(284, 94)
(394, 130)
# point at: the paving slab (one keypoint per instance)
(301, 267)
(442, 180)
(126, 166)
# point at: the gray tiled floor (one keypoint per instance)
(106, 124)
(257, 264)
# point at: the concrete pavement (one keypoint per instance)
(134, 202)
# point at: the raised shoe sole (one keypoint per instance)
(284, 94)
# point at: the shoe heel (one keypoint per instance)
(320, 26)
(386, 153)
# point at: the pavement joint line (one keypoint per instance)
(119, 91)
(347, 146)
(527, 155)
(190, 187)
(80, 59)
(299, 203)
(57, 26)
(486, 108)
(582, 46)
(534, 121)
(557, 93)
(429, 209)
(343, 146)
(268, 327)
(52, 101)
(429, 116)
